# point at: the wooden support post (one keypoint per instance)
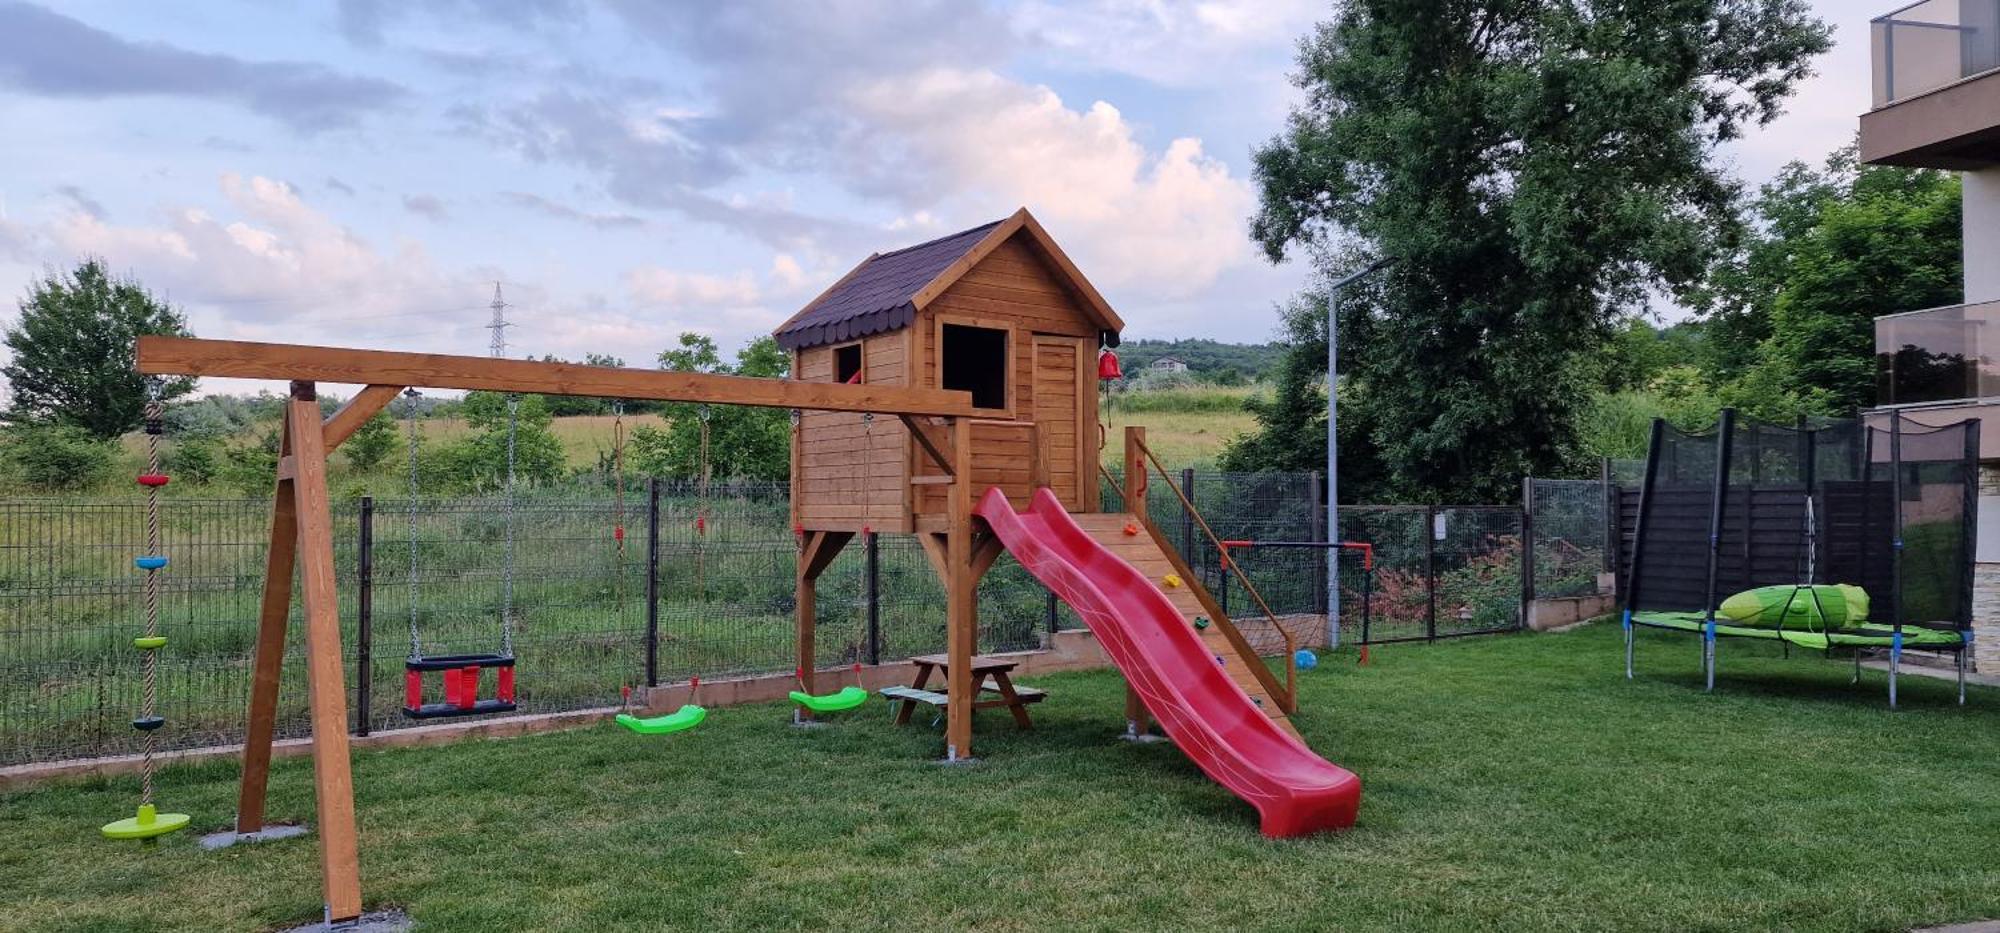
(807, 607)
(1038, 460)
(817, 550)
(961, 599)
(366, 404)
(270, 657)
(1136, 481)
(333, 777)
(1135, 470)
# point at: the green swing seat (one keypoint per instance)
(849, 697)
(680, 720)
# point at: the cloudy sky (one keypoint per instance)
(362, 172)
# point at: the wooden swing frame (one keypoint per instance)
(301, 536)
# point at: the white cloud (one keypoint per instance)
(787, 273)
(1166, 223)
(655, 285)
(1175, 42)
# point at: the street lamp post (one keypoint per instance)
(1333, 446)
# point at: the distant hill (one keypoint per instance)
(1206, 359)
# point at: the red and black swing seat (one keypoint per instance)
(461, 686)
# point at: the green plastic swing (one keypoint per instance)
(845, 698)
(680, 720)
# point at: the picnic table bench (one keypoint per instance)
(1000, 691)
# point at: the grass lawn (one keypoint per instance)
(1515, 782)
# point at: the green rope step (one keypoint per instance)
(849, 697)
(680, 720)
(149, 642)
(147, 824)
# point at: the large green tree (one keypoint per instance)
(1536, 169)
(743, 442)
(1877, 240)
(73, 351)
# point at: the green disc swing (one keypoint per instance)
(690, 714)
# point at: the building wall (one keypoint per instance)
(1986, 574)
(1982, 234)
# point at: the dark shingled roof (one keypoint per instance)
(876, 296)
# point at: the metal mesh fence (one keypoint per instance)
(70, 598)
(1567, 518)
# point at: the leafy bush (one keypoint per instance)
(195, 460)
(55, 457)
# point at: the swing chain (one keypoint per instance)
(410, 516)
(507, 571)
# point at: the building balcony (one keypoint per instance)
(1940, 356)
(1936, 86)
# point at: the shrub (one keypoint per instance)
(55, 457)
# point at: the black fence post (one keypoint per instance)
(1316, 499)
(364, 620)
(653, 581)
(1430, 573)
(872, 551)
(1187, 519)
(1055, 624)
(1527, 549)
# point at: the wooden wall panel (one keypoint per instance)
(1014, 286)
(852, 471)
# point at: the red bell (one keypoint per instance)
(1107, 365)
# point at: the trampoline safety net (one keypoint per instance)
(1883, 503)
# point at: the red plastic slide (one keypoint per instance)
(1181, 682)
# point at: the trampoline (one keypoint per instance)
(1839, 536)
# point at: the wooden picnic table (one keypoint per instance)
(997, 670)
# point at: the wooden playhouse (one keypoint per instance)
(998, 311)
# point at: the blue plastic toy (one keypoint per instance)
(1305, 659)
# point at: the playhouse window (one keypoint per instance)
(847, 363)
(974, 359)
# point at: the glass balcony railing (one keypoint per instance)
(1927, 45)
(1945, 354)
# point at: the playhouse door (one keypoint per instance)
(1059, 413)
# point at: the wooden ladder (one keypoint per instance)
(1145, 552)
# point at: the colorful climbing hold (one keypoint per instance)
(1131, 528)
(618, 532)
(1201, 622)
(150, 562)
(149, 642)
(1171, 580)
(152, 479)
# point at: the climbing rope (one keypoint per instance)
(149, 699)
(149, 823)
(410, 519)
